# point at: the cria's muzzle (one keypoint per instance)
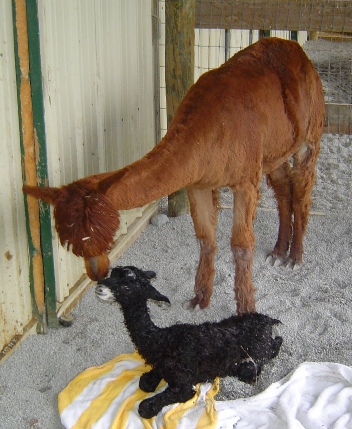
(104, 293)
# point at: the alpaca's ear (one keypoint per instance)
(45, 193)
(110, 180)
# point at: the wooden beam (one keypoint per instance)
(338, 119)
(293, 15)
(179, 72)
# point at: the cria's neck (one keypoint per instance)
(140, 326)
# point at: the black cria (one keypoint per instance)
(185, 354)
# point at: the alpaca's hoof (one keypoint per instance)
(200, 300)
(274, 260)
(187, 305)
(293, 265)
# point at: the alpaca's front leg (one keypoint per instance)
(203, 287)
(204, 206)
(242, 245)
(150, 407)
(244, 288)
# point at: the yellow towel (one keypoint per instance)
(314, 395)
(107, 397)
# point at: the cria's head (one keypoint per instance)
(131, 273)
(126, 284)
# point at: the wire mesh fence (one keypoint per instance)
(324, 30)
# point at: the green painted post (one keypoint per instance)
(42, 167)
(49, 316)
(31, 247)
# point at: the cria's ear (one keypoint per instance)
(45, 193)
(150, 274)
(157, 296)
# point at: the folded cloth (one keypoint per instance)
(315, 395)
(107, 397)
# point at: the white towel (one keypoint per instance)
(314, 396)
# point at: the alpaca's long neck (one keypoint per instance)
(161, 172)
(140, 326)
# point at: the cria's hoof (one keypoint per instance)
(248, 371)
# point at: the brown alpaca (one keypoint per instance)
(246, 118)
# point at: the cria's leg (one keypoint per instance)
(248, 372)
(204, 207)
(150, 407)
(149, 381)
(280, 181)
(303, 176)
(242, 245)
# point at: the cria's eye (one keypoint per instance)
(130, 273)
(125, 288)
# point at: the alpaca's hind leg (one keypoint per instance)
(280, 181)
(149, 381)
(204, 207)
(150, 407)
(303, 176)
(242, 245)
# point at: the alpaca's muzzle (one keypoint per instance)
(97, 266)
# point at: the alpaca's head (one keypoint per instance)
(126, 284)
(85, 221)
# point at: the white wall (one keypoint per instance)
(97, 65)
(15, 299)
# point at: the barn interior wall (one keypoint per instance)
(97, 64)
(15, 298)
(99, 115)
